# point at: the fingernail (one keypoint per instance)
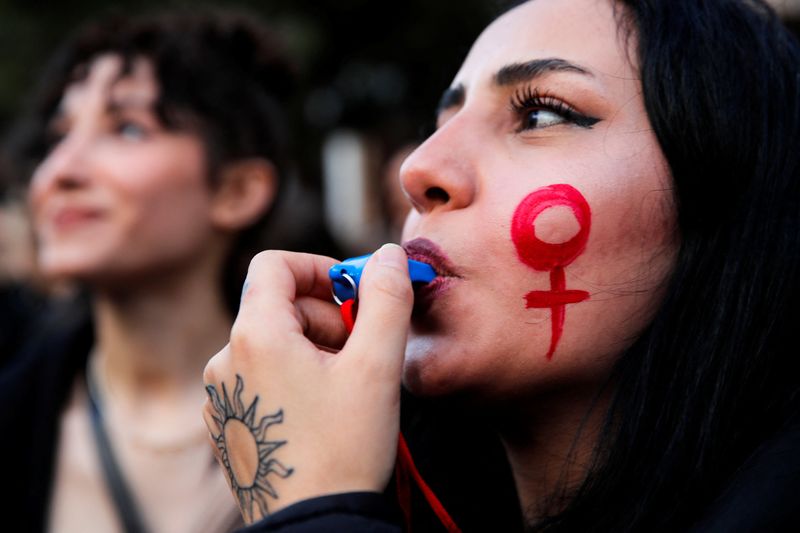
(244, 290)
(391, 255)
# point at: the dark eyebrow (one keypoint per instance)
(116, 105)
(521, 72)
(452, 97)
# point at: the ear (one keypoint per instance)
(244, 193)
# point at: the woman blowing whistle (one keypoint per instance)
(610, 203)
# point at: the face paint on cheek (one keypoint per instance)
(551, 257)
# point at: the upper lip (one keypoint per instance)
(60, 214)
(427, 251)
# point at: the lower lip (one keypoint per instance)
(426, 295)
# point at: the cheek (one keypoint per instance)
(636, 211)
(553, 212)
(162, 180)
(634, 248)
(556, 225)
(550, 229)
(635, 236)
(624, 268)
(610, 263)
(164, 202)
(178, 212)
(37, 192)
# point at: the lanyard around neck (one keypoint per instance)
(127, 509)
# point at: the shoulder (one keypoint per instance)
(763, 494)
(19, 308)
(35, 381)
(34, 388)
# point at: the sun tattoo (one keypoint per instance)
(248, 471)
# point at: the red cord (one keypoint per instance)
(405, 463)
(348, 310)
(403, 486)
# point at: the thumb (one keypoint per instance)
(384, 308)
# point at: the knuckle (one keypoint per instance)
(210, 373)
(214, 366)
(241, 344)
(208, 411)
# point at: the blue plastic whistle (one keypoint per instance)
(347, 275)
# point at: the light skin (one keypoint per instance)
(124, 206)
(487, 164)
(535, 104)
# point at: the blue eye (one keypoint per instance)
(131, 131)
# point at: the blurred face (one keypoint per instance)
(544, 203)
(118, 195)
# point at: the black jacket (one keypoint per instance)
(463, 464)
(34, 388)
(763, 497)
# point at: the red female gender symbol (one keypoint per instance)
(549, 257)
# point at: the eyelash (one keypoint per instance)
(528, 99)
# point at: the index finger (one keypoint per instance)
(284, 276)
(275, 280)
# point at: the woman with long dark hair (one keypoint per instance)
(610, 202)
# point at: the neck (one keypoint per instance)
(550, 450)
(154, 338)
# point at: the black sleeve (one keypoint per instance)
(763, 496)
(356, 512)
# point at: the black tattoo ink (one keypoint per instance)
(248, 472)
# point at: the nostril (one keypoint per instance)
(70, 182)
(437, 194)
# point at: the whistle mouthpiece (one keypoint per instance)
(346, 276)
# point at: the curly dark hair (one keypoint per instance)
(221, 75)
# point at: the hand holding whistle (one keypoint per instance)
(346, 276)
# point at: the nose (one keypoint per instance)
(440, 175)
(65, 167)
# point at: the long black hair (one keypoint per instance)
(222, 75)
(716, 372)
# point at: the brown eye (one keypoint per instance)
(541, 118)
(536, 111)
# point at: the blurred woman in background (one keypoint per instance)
(159, 151)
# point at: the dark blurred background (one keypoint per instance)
(364, 61)
(371, 74)
(368, 64)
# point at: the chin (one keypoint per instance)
(61, 269)
(67, 264)
(418, 383)
(429, 373)
(445, 387)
